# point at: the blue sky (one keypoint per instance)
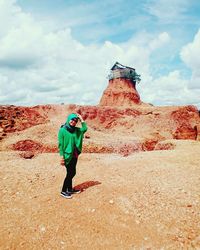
(61, 51)
(118, 20)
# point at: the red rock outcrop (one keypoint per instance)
(120, 124)
(186, 120)
(164, 146)
(33, 146)
(13, 118)
(120, 93)
(156, 123)
(106, 117)
(124, 149)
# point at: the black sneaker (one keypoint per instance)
(74, 191)
(66, 195)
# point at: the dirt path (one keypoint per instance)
(149, 200)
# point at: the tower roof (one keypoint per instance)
(118, 65)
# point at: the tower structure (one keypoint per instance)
(121, 90)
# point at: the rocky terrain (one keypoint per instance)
(139, 175)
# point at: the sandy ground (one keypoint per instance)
(148, 200)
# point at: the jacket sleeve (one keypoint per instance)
(84, 127)
(60, 142)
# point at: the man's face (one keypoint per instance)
(73, 122)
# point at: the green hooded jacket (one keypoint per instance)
(68, 141)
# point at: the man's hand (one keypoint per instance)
(62, 162)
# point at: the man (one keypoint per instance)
(70, 139)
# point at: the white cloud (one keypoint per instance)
(42, 66)
(161, 40)
(168, 11)
(167, 89)
(190, 55)
(175, 88)
(171, 89)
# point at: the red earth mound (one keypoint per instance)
(19, 118)
(33, 148)
(120, 92)
(120, 115)
(158, 123)
(185, 127)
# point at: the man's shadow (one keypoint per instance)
(85, 185)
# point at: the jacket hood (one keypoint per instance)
(71, 116)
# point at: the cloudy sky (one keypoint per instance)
(61, 51)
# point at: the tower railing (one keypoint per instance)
(133, 76)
